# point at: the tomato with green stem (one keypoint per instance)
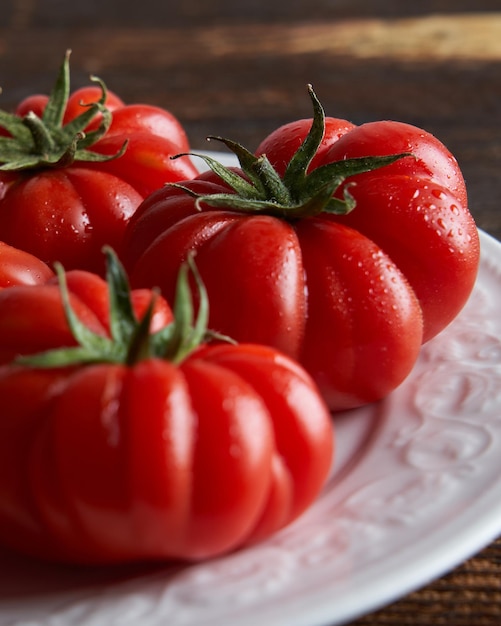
(74, 166)
(281, 271)
(127, 437)
(423, 194)
(282, 144)
(417, 211)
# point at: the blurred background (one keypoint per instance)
(240, 69)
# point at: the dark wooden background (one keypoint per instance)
(240, 69)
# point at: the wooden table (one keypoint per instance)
(241, 69)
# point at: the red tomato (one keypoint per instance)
(430, 158)
(80, 99)
(110, 462)
(35, 103)
(351, 296)
(281, 144)
(424, 195)
(21, 268)
(319, 291)
(66, 188)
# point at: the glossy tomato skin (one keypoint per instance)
(430, 159)
(430, 236)
(34, 103)
(305, 285)
(314, 289)
(26, 309)
(415, 209)
(72, 213)
(281, 144)
(79, 100)
(74, 210)
(109, 463)
(364, 326)
(18, 267)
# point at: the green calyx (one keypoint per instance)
(35, 142)
(130, 339)
(298, 193)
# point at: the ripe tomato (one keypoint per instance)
(317, 290)
(21, 268)
(289, 262)
(425, 195)
(75, 166)
(142, 449)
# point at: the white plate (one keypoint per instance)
(416, 491)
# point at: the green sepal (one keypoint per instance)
(295, 172)
(45, 142)
(90, 348)
(13, 125)
(265, 181)
(299, 193)
(176, 341)
(130, 339)
(234, 180)
(54, 111)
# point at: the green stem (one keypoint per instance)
(43, 142)
(39, 142)
(259, 189)
(130, 339)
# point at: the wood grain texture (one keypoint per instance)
(242, 78)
